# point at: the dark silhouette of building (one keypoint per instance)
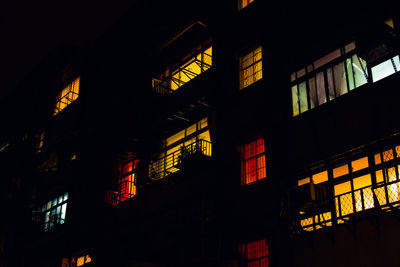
(210, 134)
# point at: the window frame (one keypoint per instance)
(253, 65)
(258, 158)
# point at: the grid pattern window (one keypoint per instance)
(77, 261)
(255, 254)
(251, 68)
(192, 140)
(53, 212)
(327, 78)
(253, 162)
(359, 185)
(244, 3)
(68, 95)
(385, 69)
(192, 65)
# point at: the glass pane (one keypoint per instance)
(359, 164)
(331, 86)
(321, 88)
(303, 97)
(303, 181)
(350, 77)
(385, 69)
(387, 155)
(362, 181)
(326, 59)
(340, 79)
(340, 171)
(65, 196)
(313, 93)
(176, 137)
(295, 101)
(360, 71)
(379, 176)
(377, 158)
(320, 177)
(342, 188)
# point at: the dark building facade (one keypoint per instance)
(212, 134)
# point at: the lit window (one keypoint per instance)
(127, 187)
(192, 65)
(324, 79)
(244, 3)
(194, 139)
(357, 187)
(255, 254)
(68, 95)
(77, 261)
(385, 69)
(127, 182)
(251, 68)
(52, 213)
(253, 162)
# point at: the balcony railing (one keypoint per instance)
(172, 163)
(382, 197)
(184, 73)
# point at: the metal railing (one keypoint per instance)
(170, 163)
(384, 196)
(198, 64)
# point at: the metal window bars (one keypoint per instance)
(187, 70)
(171, 162)
(383, 197)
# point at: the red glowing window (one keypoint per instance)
(127, 182)
(253, 162)
(255, 254)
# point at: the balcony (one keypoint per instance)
(383, 197)
(192, 65)
(182, 158)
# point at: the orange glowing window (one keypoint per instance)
(256, 254)
(80, 261)
(127, 182)
(244, 3)
(68, 95)
(253, 162)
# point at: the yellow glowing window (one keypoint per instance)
(303, 181)
(193, 139)
(387, 155)
(320, 177)
(80, 261)
(68, 95)
(359, 164)
(377, 158)
(340, 171)
(192, 65)
(244, 3)
(251, 68)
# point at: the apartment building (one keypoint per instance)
(213, 134)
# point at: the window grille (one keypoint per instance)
(253, 162)
(68, 95)
(251, 68)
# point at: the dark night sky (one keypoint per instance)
(30, 29)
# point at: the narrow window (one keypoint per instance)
(68, 95)
(127, 182)
(251, 68)
(253, 162)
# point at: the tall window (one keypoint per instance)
(255, 254)
(52, 213)
(127, 182)
(327, 78)
(253, 162)
(244, 3)
(68, 95)
(250, 68)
